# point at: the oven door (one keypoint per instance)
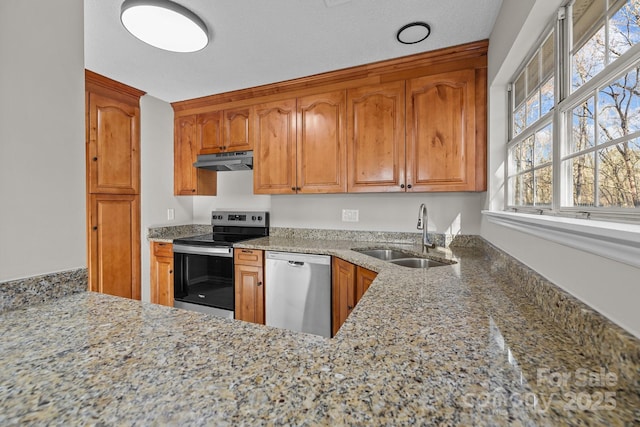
(203, 276)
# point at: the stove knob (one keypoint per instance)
(259, 218)
(253, 218)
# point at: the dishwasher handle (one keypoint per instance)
(296, 263)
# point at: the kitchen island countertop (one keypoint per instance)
(447, 345)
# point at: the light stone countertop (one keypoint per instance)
(451, 345)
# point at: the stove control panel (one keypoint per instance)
(240, 218)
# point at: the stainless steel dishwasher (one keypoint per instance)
(298, 292)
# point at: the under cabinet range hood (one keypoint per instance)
(236, 161)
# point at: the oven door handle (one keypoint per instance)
(201, 250)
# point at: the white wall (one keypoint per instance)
(42, 152)
(608, 286)
(156, 141)
(454, 213)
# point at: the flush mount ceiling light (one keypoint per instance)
(164, 24)
(413, 33)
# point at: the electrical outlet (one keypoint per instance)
(350, 215)
(171, 214)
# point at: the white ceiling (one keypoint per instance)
(264, 41)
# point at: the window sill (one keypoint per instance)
(617, 241)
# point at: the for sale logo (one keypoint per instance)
(591, 399)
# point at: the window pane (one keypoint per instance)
(588, 60)
(514, 159)
(619, 175)
(547, 98)
(585, 14)
(526, 154)
(533, 74)
(624, 29)
(543, 145)
(515, 196)
(583, 133)
(619, 108)
(544, 187)
(533, 108)
(520, 88)
(527, 189)
(582, 168)
(519, 121)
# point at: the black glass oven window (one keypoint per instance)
(205, 280)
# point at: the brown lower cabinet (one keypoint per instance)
(249, 285)
(114, 244)
(349, 283)
(162, 273)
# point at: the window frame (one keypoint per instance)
(565, 99)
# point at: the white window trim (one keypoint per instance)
(563, 105)
(613, 240)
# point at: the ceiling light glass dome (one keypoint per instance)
(165, 25)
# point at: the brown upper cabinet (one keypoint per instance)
(411, 124)
(224, 131)
(187, 179)
(113, 148)
(375, 135)
(299, 145)
(274, 147)
(440, 128)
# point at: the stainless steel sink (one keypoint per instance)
(384, 254)
(418, 262)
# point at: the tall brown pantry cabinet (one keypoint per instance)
(113, 186)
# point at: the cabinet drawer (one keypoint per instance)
(162, 249)
(248, 257)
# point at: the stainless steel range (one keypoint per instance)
(203, 265)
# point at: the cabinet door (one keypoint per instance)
(343, 291)
(236, 130)
(114, 146)
(187, 179)
(114, 245)
(249, 293)
(321, 150)
(441, 123)
(376, 140)
(274, 148)
(209, 132)
(162, 273)
(364, 278)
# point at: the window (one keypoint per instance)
(531, 149)
(594, 152)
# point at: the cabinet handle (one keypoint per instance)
(259, 283)
(298, 188)
(95, 227)
(293, 188)
(170, 271)
(246, 251)
(401, 185)
(409, 186)
(350, 307)
(161, 244)
(193, 190)
(95, 159)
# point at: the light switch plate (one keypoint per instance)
(171, 214)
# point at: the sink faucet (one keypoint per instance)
(422, 225)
